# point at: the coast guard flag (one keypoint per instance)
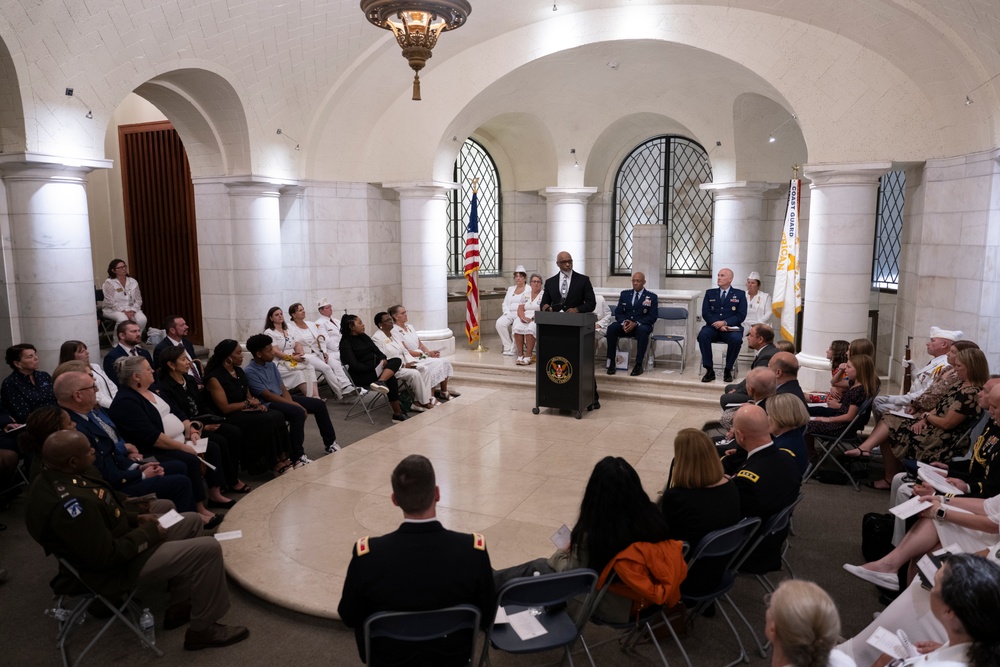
(472, 272)
(787, 300)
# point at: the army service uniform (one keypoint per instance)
(768, 482)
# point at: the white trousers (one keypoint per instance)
(119, 317)
(504, 323)
(335, 381)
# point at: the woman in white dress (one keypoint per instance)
(524, 325)
(758, 303)
(289, 357)
(122, 298)
(438, 370)
(411, 373)
(510, 303)
(313, 343)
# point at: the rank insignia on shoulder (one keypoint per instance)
(73, 508)
(789, 452)
(362, 548)
(746, 474)
(478, 541)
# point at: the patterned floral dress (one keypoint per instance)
(855, 395)
(935, 443)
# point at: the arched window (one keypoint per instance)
(474, 162)
(657, 184)
(888, 228)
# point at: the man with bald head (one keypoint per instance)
(568, 290)
(79, 517)
(635, 316)
(723, 309)
(768, 482)
(785, 367)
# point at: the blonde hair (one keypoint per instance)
(696, 462)
(785, 345)
(805, 622)
(70, 367)
(787, 411)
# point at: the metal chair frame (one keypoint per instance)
(88, 595)
(670, 314)
(421, 626)
(364, 399)
(849, 436)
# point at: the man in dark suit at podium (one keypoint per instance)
(570, 292)
(723, 310)
(635, 316)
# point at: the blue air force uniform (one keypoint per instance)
(732, 309)
(641, 307)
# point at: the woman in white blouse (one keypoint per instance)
(758, 303)
(510, 303)
(313, 343)
(411, 373)
(438, 370)
(524, 326)
(289, 356)
(75, 350)
(122, 299)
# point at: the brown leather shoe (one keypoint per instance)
(215, 636)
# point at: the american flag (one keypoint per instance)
(472, 272)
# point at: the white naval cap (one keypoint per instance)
(323, 303)
(938, 332)
(520, 269)
(754, 276)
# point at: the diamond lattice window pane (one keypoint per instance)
(475, 162)
(888, 230)
(658, 184)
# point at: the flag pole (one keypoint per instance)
(479, 338)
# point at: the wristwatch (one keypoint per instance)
(941, 512)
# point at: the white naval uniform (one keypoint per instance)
(313, 342)
(118, 299)
(919, 383)
(758, 309)
(418, 382)
(507, 319)
(331, 330)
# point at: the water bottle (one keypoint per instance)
(148, 627)
(649, 361)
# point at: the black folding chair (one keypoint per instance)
(74, 586)
(670, 315)
(849, 438)
(545, 598)
(442, 637)
(364, 397)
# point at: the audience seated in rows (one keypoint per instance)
(635, 315)
(367, 365)
(129, 345)
(266, 386)
(145, 420)
(175, 385)
(831, 421)
(26, 388)
(265, 437)
(935, 435)
(439, 370)
(75, 350)
(938, 344)
(760, 339)
(295, 371)
(411, 373)
(82, 519)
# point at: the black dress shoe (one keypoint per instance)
(709, 376)
(217, 505)
(727, 376)
(213, 522)
(611, 369)
(636, 371)
(596, 405)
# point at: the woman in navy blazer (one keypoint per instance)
(145, 420)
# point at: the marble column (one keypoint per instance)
(567, 212)
(843, 202)
(737, 241)
(423, 218)
(48, 269)
(255, 224)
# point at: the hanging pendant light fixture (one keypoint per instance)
(416, 25)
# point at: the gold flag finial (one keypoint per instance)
(795, 171)
(475, 185)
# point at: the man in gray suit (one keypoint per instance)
(761, 339)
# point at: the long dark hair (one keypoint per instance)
(615, 512)
(268, 324)
(68, 350)
(838, 356)
(219, 354)
(170, 355)
(970, 586)
(345, 323)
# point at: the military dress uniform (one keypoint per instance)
(79, 517)
(733, 310)
(421, 566)
(641, 307)
(768, 482)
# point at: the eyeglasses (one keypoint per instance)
(121, 266)
(93, 386)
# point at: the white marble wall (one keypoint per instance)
(950, 266)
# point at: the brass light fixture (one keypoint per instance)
(416, 25)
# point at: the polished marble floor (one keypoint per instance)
(504, 472)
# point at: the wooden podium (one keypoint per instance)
(564, 377)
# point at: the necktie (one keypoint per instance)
(635, 297)
(133, 353)
(724, 292)
(565, 286)
(194, 371)
(107, 428)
